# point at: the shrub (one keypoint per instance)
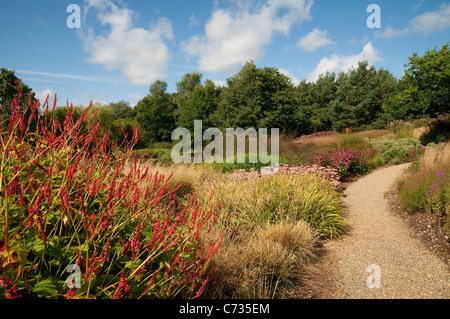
(70, 198)
(346, 162)
(427, 190)
(234, 165)
(398, 151)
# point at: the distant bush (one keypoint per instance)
(234, 165)
(345, 161)
(398, 151)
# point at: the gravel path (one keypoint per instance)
(378, 251)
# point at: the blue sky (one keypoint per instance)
(122, 47)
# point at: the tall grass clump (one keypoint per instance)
(268, 264)
(70, 200)
(283, 197)
(426, 186)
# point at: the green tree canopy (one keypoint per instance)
(425, 88)
(360, 96)
(8, 89)
(155, 113)
(259, 98)
(202, 102)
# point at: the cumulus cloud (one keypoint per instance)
(135, 96)
(337, 63)
(291, 76)
(42, 95)
(141, 54)
(235, 36)
(426, 23)
(220, 83)
(314, 40)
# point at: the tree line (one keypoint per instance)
(360, 98)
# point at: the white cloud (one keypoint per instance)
(67, 76)
(337, 63)
(220, 83)
(291, 76)
(426, 23)
(417, 6)
(193, 21)
(42, 96)
(435, 21)
(314, 40)
(141, 54)
(233, 37)
(135, 96)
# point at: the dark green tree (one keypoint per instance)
(360, 95)
(259, 98)
(316, 98)
(122, 110)
(155, 113)
(8, 89)
(425, 88)
(201, 103)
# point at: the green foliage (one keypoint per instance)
(398, 151)
(9, 89)
(424, 86)
(258, 98)
(360, 96)
(199, 105)
(155, 113)
(234, 165)
(316, 97)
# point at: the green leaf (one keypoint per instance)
(47, 287)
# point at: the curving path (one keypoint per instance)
(378, 250)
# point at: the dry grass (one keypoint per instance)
(418, 132)
(374, 134)
(194, 178)
(318, 140)
(266, 265)
(435, 155)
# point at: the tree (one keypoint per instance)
(425, 88)
(122, 110)
(315, 98)
(184, 90)
(258, 98)
(202, 102)
(8, 89)
(360, 96)
(155, 113)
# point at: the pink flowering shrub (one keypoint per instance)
(346, 162)
(330, 174)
